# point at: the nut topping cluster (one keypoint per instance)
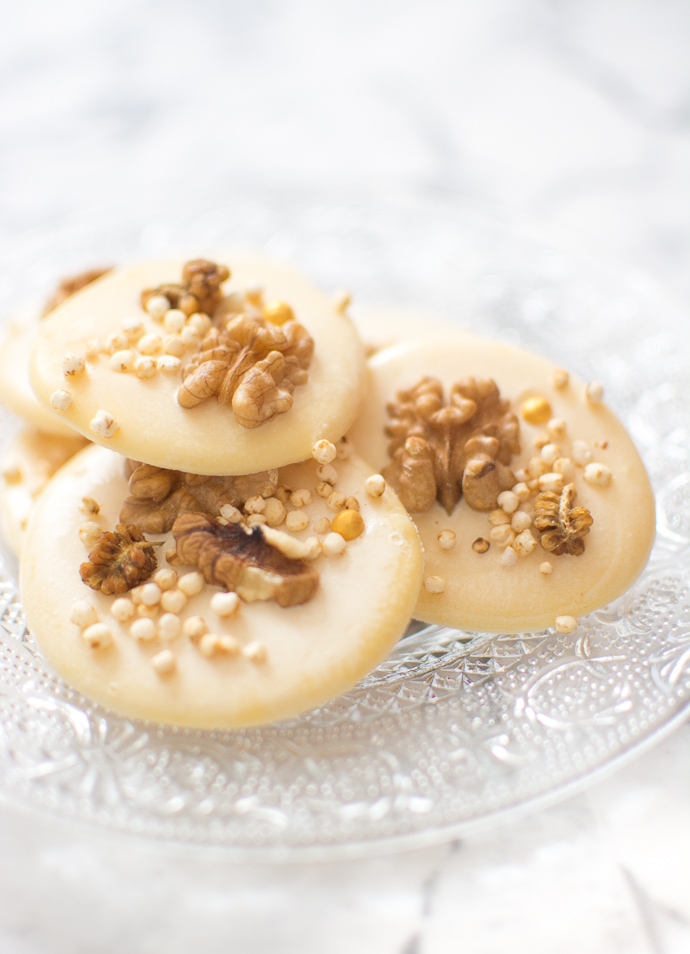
(199, 290)
(119, 561)
(251, 364)
(444, 451)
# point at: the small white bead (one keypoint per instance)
(92, 348)
(200, 323)
(498, 517)
(323, 451)
(508, 501)
(104, 424)
(83, 614)
(524, 543)
(225, 604)
(336, 501)
(301, 497)
(434, 584)
(166, 578)
(508, 558)
(327, 472)
(194, 627)
(446, 539)
(566, 624)
(597, 474)
(168, 364)
(503, 534)
(144, 629)
(163, 662)
(174, 346)
(228, 645)
(521, 521)
(256, 520)
(522, 491)
(545, 568)
(145, 367)
(191, 584)
(255, 652)
(334, 544)
(73, 363)
(98, 636)
(61, 399)
(551, 482)
(158, 307)
(122, 361)
(169, 626)
(173, 601)
(375, 485)
(560, 379)
(255, 504)
(556, 428)
(150, 594)
(550, 453)
(117, 341)
(594, 392)
(190, 337)
(174, 321)
(133, 327)
(581, 454)
(564, 466)
(297, 520)
(149, 344)
(322, 526)
(208, 644)
(122, 609)
(230, 513)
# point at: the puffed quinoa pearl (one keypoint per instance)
(524, 543)
(163, 662)
(191, 584)
(228, 645)
(166, 578)
(275, 512)
(174, 321)
(327, 472)
(594, 392)
(256, 520)
(158, 307)
(551, 482)
(503, 534)
(174, 346)
(352, 504)
(93, 348)
(73, 364)
(521, 521)
(446, 539)
(563, 466)
(98, 636)
(117, 341)
(322, 526)
(334, 544)
(297, 520)
(541, 440)
(173, 601)
(208, 643)
(169, 626)
(556, 428)
(144, 629)
(336, 500)
(597, 474)
(375, 485)
(536, 467)
(508, 558)
(301, 498)
(200, 322)
(255, 652)
(145, 367)
(83, 614)
(225, 604)
(104, 424)
(230, 513)
(122, 609)
(122, 361)
(497, 517)
(522, 491)
(133, 327)
(550, 453)
(135, 595)
(560, 379)
(581, 454)
(434, 584)
(566, 625)
(89, 533)
(545, 568)
(255, 504)
(480, 545)
(323, 451)
(150, 594)
(323, 489)
(194, 627)
(508, 501)
(150, 612)
(190, 337)
(61, 399)
(149, 344)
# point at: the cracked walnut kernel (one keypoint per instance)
(250, 364)
(199, 290)
(561, 526)
(119, 561)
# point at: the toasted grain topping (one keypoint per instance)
(446, 539)
(566, 624)
(594, 392)
(143, 629)
(581, 454)
(104, 424)
(334, 544)
(83, 614)
(123, 609)
(560, 379)
(508, 558)
(375, 485)
(169, 626)
(73, 364)
(480, 545)
(597, 474)
(98, 636)
(164, 662)
(324, 452)
(434, 584)
(61, 399)
(545, 568)
(199, 290)
(225, 604)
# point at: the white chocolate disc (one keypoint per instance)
(149, 425)
(313, 652)
(15, 389)
(477, 592)
(27, 465)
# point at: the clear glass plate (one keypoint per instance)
(455, 730)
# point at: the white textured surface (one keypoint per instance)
(576, 112)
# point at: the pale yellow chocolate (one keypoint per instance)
(288, 660)
(148, 423)
(488, 591)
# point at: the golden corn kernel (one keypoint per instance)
(536, 410)
(278, 312)
(348, 523)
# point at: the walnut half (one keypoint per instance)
(251, 364)
(443, 451)
(242, 561)
(119, 561)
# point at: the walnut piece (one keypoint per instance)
(252, 365)
(444, 451)
(119, 561)
(242, 560)
(158, 496)
(561, 526)
(199, 290)
(69, 286)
